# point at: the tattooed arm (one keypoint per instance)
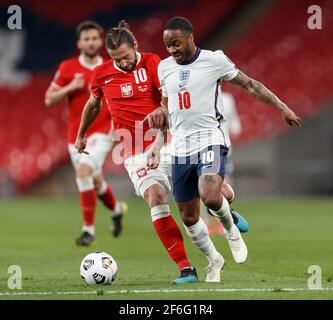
(260, 92)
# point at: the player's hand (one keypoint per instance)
(290, 117)
(80, 144)
(152, 158)
(156, 119)
(77, 83)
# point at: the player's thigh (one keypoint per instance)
(74, 155)
(143, 179)
(210, 185)
(82, 168)
(189, 211)
(211, 170)
(98, 147)
(184, 179)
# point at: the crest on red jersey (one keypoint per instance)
(126, 89)
(141, 173)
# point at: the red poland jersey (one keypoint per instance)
(130, 96)
(78, 98)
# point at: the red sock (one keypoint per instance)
(108, 198)
(172, 239)
(88, 205)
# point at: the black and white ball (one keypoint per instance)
(98, 268)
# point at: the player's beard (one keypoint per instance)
(132, 66)
(91, 53)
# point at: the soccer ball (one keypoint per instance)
(98, 268)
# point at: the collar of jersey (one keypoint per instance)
(88, 65)
(192, 60)
(138, 54)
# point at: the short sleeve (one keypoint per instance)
(226, 68)
(154, 62)
(60, 78)
(96, 89)
(162, 80)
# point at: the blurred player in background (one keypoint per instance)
(130, 85)
(72, 84)
(235, 129)
(190, 81)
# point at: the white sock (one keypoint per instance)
(224, 215)
(85, 183)
(199, 236)
(118, 209)
(102, 189)
(89, 229)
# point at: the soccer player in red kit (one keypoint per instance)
(72, 83)
(129, 83)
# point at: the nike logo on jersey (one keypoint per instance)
(108, 81)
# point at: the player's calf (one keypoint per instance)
(166, 227)
(117, 208)
(228, 192)
(85, 184)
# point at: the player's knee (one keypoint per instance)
(189, 219)
(84, 178)
(211, 201)
(155, 196)
(85, 183)
(100, 184)
(83, 171)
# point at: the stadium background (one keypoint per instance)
(269, 40)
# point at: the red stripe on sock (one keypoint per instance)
(172, 239)
(108, 198)
(88, 206)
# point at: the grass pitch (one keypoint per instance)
(286, 237)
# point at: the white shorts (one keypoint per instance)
(98, 146)
(142, 178)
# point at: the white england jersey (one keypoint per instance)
(195, 100)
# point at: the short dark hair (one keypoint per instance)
(179, 23)
(117, 36)
(87, 25)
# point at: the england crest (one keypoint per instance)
(184, 75)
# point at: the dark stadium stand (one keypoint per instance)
(295, 62)
(205, 16)
(33, 137)
(280, 52)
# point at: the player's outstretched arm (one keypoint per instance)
(55, 94)
(260, 92)
(89, 114)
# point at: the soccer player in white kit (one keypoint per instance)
(190, 81)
